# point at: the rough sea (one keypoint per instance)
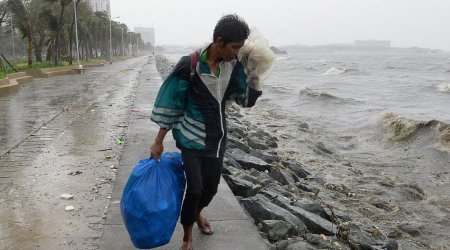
(383, 120)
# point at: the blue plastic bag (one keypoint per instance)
(151, 200)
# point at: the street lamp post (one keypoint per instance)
(12, 39)
(137, 46)
(79, 66)
(110, 41)
(123, 48)
(130, 47)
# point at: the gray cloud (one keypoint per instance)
(406, 23)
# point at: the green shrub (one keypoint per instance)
(37, 65)
(23, 66)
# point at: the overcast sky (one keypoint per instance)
(407, 23)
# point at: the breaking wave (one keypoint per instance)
(280, 58)
(324, 96)
(338, 71)
(399, 128)
(312, 93)
(444, 87)
(278, 90)
(334, 71)
(443, 132)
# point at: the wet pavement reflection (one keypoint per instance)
(57, 136)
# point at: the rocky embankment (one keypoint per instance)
(163, 65)
(281, 195)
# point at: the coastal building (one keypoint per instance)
(372, 44)
(100, 5)
(147, 34)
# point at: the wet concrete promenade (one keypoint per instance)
(233, 228)
(58, 135)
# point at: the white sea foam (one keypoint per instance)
(279, 89)
(281, 58)
(444, 87)
(334, 71)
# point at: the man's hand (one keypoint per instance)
(156, 150)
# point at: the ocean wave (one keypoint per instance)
(310, 68)
(443, 87)
(435, 68)
(280, 58)
(400, 128)
(333, 71)
(395, 67)
(279, 89)
(324, 96)
(312, 93)
(443, 133)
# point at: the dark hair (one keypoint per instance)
(231, 28)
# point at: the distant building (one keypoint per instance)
(372, 44)
(100, 5)
(147, 34)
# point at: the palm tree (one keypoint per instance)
(3, 12)
(31, 18)
(50, 22)
(63, 4)
(24, 24)
(100, 28)
(40, 32)
(45, 23)
(86, 30)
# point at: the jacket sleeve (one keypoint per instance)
(244, 92)
(170, 102)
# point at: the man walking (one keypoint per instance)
(191, 103)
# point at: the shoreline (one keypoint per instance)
(312, 187)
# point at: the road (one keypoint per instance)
(62, 136)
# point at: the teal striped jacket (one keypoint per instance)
(194, 107)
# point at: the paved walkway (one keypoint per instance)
(233, 228)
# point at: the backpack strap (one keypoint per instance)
(194, 61)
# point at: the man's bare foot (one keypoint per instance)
(187, 245)
(204, 225)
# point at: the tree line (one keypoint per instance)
(48, 29)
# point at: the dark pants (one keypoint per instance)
(202, 177)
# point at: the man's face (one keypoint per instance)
(230, 50)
